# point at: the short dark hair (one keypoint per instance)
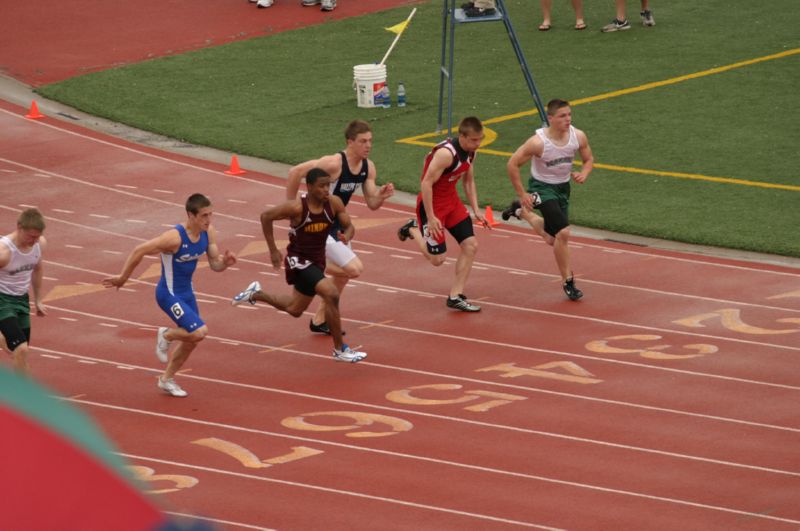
(470, 124)
(355, 128)
(196, 202)
(554, 105)
(314, 174)
(31, 218)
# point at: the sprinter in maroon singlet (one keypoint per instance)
(311, 217)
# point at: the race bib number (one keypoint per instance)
(176, 310)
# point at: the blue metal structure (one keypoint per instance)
(452, 16)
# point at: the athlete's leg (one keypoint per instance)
(294, 304)
(328, 292)
(469, 249)
(16, 340)
(465, 236)
(561, 253)
(342, 265)
(537, 224)
(188, 341)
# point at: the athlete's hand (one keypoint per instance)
(526, 201)
(113, 282)
(578, 177)
(482, 219)
(276, 257)
(342, 237)
(41, 309)
(386, 191)
(435, 227)
(228, 258)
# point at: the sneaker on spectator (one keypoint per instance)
(328, 5)
(247, 294)
(264, 3)
(310, 2)
(162, 345)
(349, 355)
(616, 25)
(169, 386)
(647, 18)
(461, 303)
(404, 232)
(572, 292)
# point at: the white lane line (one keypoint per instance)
(63, 211)
(433, 460)
(100, 216)
(73, 246)
(163, 191)
(126, 186)
(338, 491)
(136, 221)
(218, 521)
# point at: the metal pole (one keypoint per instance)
(523, 64)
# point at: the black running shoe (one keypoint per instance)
(321, 328)
(461, 303)
(404, 232)
(572, 292)
(511, 210)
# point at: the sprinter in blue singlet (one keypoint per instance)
(179, 249)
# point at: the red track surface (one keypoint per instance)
(44, 42)
(536, 412)
(666, 399)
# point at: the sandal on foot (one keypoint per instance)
(544, 27)
(580, 26)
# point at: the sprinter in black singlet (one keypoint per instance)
(311, 216)
(350, 170)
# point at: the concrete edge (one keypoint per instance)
(21, 94)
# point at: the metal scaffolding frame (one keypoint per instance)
(451, 16)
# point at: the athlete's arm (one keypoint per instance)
(36, 281)
(532, 147)
(291, 210)
(332, 164)
(471, 191)
(586, 156)
(5, 255)
(374, 195)
(347, 229)
(216, 261)
(442, 158)
(168, 243)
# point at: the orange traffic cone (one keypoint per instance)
(489, 215)
(235, 169)
(34, 113)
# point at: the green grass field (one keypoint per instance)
(705, 159)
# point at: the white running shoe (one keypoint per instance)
(349, 355)
(247, 294)
(169, 386)
(328, 5)
(162, 345)
(264, 3)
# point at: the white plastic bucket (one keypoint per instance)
(370, 83)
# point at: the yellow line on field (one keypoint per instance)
(418, 139)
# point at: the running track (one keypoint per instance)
(666, 399)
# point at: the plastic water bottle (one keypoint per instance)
(387, 97)
(401, 95)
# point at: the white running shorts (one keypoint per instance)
(337, 252)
